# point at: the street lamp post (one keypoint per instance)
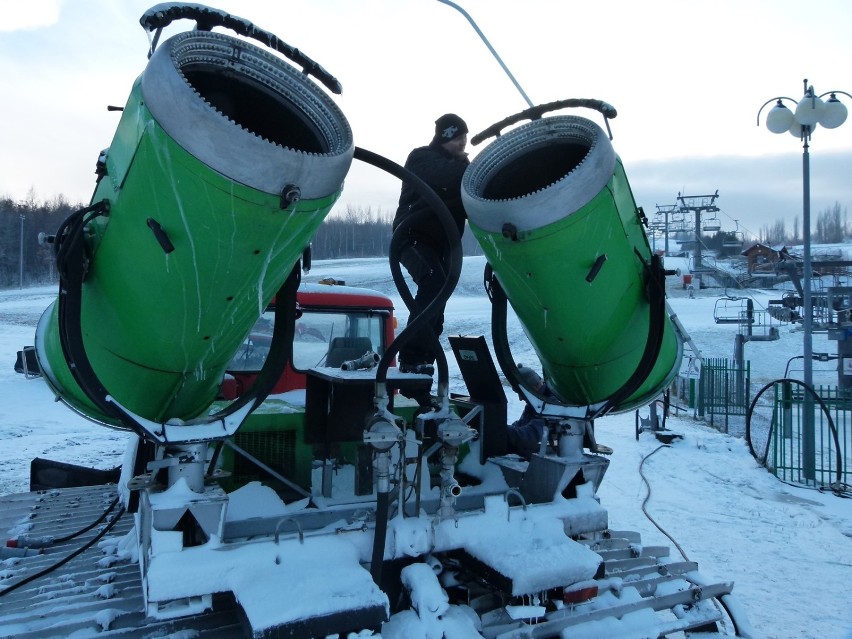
(809, 112)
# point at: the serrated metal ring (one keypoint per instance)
(537, 174)
(248, 114)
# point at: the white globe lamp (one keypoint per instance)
(779, 119)
(809, 109)
(834, 114)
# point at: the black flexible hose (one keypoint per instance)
(72, 264)
(656, 289)
(66, 559)
(445, 218)
(60, 540)
(214, 458)
(162, 15)
(500, 335)
(379, 536)
(502, 349)
(535, 113)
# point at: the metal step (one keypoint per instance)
(638, 589)
(99, 593)
(658, 615)
(96, 594)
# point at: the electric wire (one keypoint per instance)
(718, 600)
(648, 497)
(103, 515)
(68, 558)
(110, 508)
(838, 489)
(816, 397)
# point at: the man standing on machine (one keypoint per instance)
(425, 250)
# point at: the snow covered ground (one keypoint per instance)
(788, 549)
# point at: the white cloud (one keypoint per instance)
(26, 16)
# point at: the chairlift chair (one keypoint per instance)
(733, 240)
(730, 310)
(712, 224)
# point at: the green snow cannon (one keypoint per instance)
(224, 163)
(551, 207)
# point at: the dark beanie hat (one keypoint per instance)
(530, 378)
(449, 127)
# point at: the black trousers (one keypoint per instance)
(428, 268)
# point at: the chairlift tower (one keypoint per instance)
(665, 210)
(698, 204)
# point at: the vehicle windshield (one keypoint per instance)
(322, 338)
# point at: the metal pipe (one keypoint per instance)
(808, 435)
(516, 493)
(254, 460)
(284, 520)
(450, 488)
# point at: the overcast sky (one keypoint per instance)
(687, 79)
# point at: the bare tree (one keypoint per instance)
(774, 234)
(22, 260)
(831, 225)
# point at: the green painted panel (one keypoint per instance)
(589, 335)
(160, 327)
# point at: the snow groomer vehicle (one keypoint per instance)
(279, 484)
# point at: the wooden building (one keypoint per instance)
(762, 258)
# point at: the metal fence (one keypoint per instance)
(809, 439)
(723, 392)
(801, 437)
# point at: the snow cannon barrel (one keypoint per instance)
(552, 209)
(225, 161)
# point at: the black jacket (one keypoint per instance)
(443, 172)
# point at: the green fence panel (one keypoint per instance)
(723, 390)
(803, 446)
